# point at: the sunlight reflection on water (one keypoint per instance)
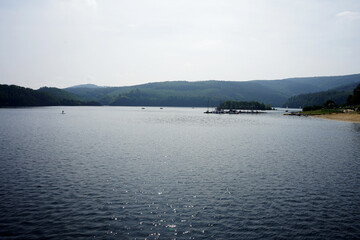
(126, 173)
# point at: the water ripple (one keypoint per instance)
(124, 173)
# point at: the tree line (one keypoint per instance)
(16, 96)
(353, 100)
(242, 105)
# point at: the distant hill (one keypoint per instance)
(339, 95)
(189, 94)
(16, 96)
(318, 99)
(211, 93)
(58, 93)
(296, 86)
(86, 86)
(181, 93)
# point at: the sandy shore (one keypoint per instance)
(346, 117)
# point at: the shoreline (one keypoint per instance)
(344, 117)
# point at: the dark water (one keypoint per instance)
(128, 173)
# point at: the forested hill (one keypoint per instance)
(296, 86)
(180, 93)
(211, 93)
(338, 95)
(11, 96)
(16, 96)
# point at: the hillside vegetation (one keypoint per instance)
(211, 93)
(12, 96)
(234, 105)
(339, 95)
(330, 107)
(354, 99)
(314, 90)
(15, 96)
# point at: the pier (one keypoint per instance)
(232, 111)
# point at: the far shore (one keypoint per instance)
(345, 117)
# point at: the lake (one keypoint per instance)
(176, 173)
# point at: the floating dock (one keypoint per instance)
(234, 112)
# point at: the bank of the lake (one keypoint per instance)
(345, 117)
(331, 114)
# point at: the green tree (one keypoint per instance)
(355, 98)
(330, 104)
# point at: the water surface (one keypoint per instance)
(176, 173)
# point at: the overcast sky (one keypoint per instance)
(62, 43)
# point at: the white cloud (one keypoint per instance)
(90, 78)
(348, 15)
(170, 39)
(76, 5)
(91, 3)
(207, 44)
